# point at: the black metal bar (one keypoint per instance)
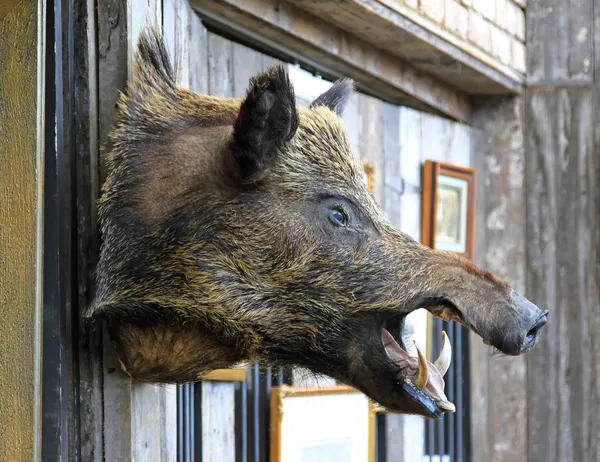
(440, 430)
(180, 427)
(263, 422)
(459, 395)
(450, 391)
(196, 393)
(188, 423)
(255, 423)
(380, 438)
(241, 422)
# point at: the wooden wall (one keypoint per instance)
(539, 162)
(498, 383)
(21, 177)
(562, 217)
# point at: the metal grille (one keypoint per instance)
(252, 399)
(448, 439)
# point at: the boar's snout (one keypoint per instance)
(531, 320)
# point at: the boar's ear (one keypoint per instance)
(266, 122)
(336, 98)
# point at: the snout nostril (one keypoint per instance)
(532, 333)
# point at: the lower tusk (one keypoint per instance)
(442, 364)
(422, 376)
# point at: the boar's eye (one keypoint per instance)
(338, 217)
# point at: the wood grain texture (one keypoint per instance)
(218, 420)
(595, 321)
(561, 252)
(560, 41)
(112, 62)
(91, 53)
(371, 141)
(20, 308)
(425, 45)
(344, 53)
(391, 165)
(499, 425)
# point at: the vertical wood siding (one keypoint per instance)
(498, 384)
(562, 219)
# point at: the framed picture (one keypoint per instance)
(328, 424)
(448, 208)
(234, 374)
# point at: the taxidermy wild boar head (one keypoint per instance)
(238, 230)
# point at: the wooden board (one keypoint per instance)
(424, 44)
(499, 426)
(561, 251)
(21, 199)
(560, 41)
(291, 29)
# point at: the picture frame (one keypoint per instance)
(448, 208)
(447, 215)
(233, 374)
(321, 425)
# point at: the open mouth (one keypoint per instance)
(420, 378)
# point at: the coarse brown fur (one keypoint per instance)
(242, 230)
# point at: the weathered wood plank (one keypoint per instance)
(499, 425)
(410, 165)
(479, 354)
(218, 416)
(595, 320)
(343, 53)
(246, 64)
(427, 46)
(20, 283)
(353, 123)
(371, 141)
(113, 58)
(220, 66)
(94, 54)
(559, 41)
(391, 165)
(561, 266)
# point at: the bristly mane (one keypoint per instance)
(154, 106)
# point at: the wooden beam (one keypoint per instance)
(405, 33)
(562, 217)
(561, 224)
(21, 202)
(499, 426)
(293, 31)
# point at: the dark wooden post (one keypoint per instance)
(562, 374)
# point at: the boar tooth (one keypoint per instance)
(443, 362)
(422, 376)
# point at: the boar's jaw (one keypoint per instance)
(421, 379)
